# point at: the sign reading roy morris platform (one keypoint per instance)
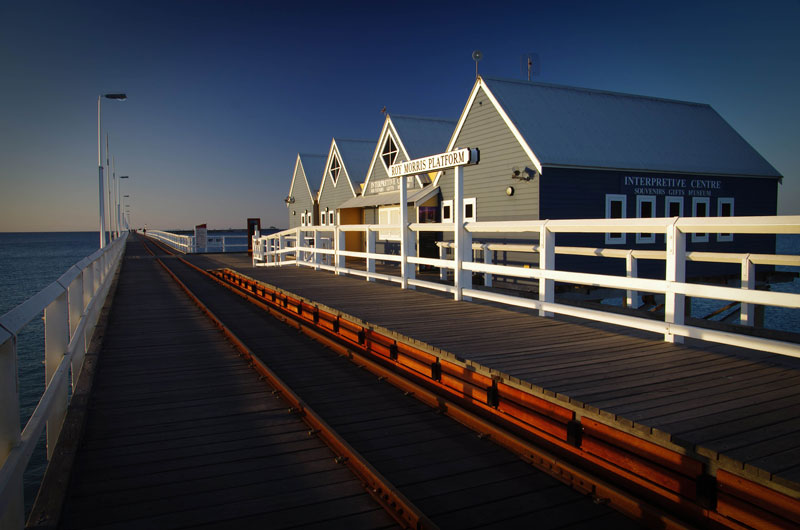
(459, 157)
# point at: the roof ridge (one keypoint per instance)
(596, 91)
(426, 118)
(353, 140)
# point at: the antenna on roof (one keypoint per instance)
(476, 56)
(530, 62)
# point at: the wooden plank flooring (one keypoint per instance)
(182, 433)
(458, 479)
(739, 408)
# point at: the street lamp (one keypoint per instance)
(119, 97)
(119, 202)
(125, 210)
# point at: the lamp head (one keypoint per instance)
(124, 177)
(121, 97)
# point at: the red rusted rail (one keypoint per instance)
(643, 473)
(392, 500)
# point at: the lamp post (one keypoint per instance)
(128, 211)
(119, 97)
(119, 203)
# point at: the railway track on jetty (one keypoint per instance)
(399, 437)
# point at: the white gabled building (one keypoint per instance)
(302, 201)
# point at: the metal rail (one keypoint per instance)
(387, 495)
(631, 474)
(71, 307)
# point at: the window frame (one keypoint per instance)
(701, 237)
(673, 200)
(472, 201)
(721, 201)
(385, 218)
(449, 218)
(335, 164)
(614, 238)
(331, 218)
(391, 153)
(646, 238)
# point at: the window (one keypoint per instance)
(389, 152)
(324, 217)
(331, 218)
(725, 209)
(645, 208)
(615, 209)
(470, 210)
(303, 219)
(700, 207)
(389, 215)
(447, 211)
(335, 168)
(673, 206)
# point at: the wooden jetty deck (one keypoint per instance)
(729, 415)
(181, 432)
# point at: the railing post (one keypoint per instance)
(442, 255)
(14, 516)
(547, 262)
(75, 295)
(297, 244)
(340, 240)
(281, 248)
(747, 313)
(631, 271)
(371, 244)
(458, 232)
(317, 247)
(468, 256)
(407, 270)
(674, 303)
(56, 340)
(487, 260)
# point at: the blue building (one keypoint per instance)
(559, 152)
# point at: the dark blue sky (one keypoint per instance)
(222, 95)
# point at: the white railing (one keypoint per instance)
(71, 307)
(179, 242)
(295, 247)
(225, 244)
(187, 244)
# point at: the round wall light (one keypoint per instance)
(510, 191)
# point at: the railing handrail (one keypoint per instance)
(71, 307)
(295, 246)
(188, 245)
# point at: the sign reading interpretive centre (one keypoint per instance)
(460, 157)
(673, 186)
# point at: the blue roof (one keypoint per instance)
(569, 126)
(313, 165)
(356, 156)
(423, 136)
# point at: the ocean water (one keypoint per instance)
(777, 318)
(29, 262)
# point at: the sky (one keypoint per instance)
(222, 95)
